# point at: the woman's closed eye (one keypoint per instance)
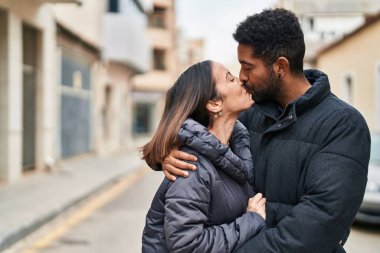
(230, 77)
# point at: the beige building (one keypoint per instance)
(29, 53)
(149, 89)
(189, 51)
(65, 70)
(325, 21)
(353, 66)
(126, 53)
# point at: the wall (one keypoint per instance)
(358, 56)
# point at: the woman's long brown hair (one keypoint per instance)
(186, 99)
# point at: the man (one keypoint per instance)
(310, 149)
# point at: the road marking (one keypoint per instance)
(87, 209)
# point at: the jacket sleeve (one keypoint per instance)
(335, 185)
(187, 207)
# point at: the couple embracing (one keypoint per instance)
(271, 161)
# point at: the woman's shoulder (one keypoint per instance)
(206, 170)
(198, 185)
(203, 163)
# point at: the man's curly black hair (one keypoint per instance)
(274, 33)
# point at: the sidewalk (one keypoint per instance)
(36, 199)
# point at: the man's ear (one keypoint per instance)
(214, 106)
(282, 66)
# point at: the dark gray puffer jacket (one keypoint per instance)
(205, 212)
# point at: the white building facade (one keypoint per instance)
(64, 91)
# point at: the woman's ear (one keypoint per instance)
(214, 106)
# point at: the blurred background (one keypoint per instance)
(82, 85)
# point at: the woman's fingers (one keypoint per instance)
(256, 198)
(262, 202)
(257, 204)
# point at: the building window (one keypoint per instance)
(113, 6)
(159, 59)
(75, 123)
(143, 118)
(348, 89)
(158, 17)
(378, 97)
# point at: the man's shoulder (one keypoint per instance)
(246, 116)
(337, 110)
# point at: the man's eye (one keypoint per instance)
(247, 67)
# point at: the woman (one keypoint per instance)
(207, 211)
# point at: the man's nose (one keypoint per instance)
(242, 76)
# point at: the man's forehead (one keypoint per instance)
(245, 55)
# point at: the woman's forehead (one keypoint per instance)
(219, 70)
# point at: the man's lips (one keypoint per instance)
(248, 87)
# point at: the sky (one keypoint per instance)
(215, 21)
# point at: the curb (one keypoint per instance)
(18, 234)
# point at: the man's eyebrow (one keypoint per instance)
(244, 62)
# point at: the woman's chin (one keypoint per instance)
(248, 105)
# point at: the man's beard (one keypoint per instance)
(269, 89)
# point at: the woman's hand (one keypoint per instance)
(173, 164)
(257, 204)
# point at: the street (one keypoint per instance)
(113, 221)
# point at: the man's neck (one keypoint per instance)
(292, 88)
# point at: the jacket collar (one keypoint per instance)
(318, 91)
(198, 138)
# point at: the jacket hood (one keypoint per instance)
(237, 163)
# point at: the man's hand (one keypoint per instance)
(173, 166)
(257, 204)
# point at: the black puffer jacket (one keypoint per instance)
(311, 163)
(205, 212)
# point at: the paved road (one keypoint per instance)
(117, 225)
(363, 239)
